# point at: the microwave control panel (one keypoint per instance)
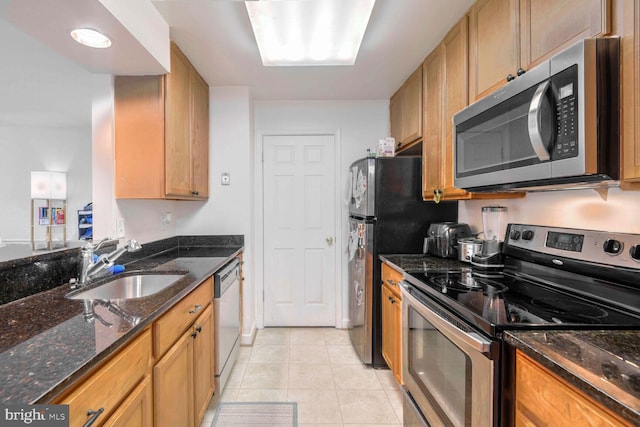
(565, 94)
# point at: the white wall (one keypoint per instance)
(41, 148)
(360, 124)
(229, 208)
(607, 210)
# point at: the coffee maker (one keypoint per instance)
(493, 223)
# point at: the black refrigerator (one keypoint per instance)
(386, 216)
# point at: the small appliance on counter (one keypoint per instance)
(442, 238)
(493, 222)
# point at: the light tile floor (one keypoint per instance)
(318, 369)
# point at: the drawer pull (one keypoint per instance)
(196, 309)
(94, 416)
(391, 282)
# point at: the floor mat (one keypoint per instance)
(254, 414)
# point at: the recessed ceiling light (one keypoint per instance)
(90, 37)
(309, 32)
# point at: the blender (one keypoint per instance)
(493, 223)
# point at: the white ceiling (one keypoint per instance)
(42, 81)
(217, 37)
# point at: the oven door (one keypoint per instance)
(447, 368)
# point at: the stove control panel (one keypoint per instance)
(615, 249)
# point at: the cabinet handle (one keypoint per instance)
(199, 329)
(391, 282)
(194, 335)
(437, 195)
(520, 71)
(510, 77)
(94, 416)
(196, 309)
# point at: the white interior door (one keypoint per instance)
(299, 230)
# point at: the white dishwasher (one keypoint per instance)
(226, 311)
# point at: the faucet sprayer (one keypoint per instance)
(90, 268)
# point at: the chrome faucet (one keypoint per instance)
(89, 268)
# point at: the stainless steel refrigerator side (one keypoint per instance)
(363, 201)
(360, 290)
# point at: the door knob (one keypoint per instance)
(329, 240)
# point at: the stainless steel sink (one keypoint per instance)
(127, 287)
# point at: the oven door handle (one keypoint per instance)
(471, 339)
(535, 123)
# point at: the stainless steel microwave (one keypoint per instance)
(556, 125)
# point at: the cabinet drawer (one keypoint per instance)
(169, 327)
(391, 278)
(111, 383)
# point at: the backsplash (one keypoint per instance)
(606, 210)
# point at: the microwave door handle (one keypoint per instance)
(535, 124)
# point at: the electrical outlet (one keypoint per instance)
(165, 219)
(120, 228)
(226, 178)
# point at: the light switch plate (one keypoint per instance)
(226, 178)
(119, 228)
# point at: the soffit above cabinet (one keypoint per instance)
(139, 47)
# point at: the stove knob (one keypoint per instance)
(610, 371)
(635, 252)
(527, 235)
(515, 235)
(613, 247)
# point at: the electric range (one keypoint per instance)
(553, 279)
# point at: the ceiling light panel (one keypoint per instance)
(309, 32)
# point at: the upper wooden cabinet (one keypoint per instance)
(445, 73)
(162, 134)
(628, 13)
(508, 37)
(494, 45)
(405, 111)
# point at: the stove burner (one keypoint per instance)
(466, 283)
(570, 311)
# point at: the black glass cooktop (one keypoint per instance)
(497, 302)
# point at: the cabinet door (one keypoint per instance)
(456, 97)
(397, 339)
(412, 108)
(137, 409)
(542, 398)
(173, 385)
(200, 135)
(433, 70)
(494, 45)
(203, 364)
(630, 45)
(395, 117)
(548, 26)
(139, 103)
(388, 327)
(178, 128)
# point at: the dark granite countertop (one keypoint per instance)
(46, 343)
(423, 263)
(586, 358)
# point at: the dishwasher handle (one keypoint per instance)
(226, 277)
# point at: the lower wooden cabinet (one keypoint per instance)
(392, 321)
(101, 394)
(183, 378)
(203, 360)
(544, 399)
(137, 409)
